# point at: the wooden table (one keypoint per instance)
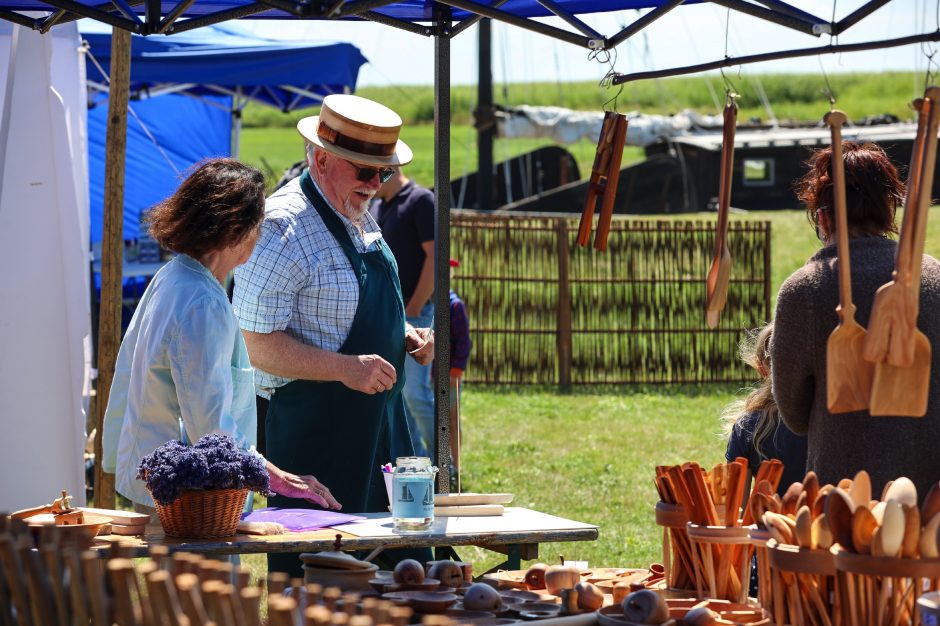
(517, 534)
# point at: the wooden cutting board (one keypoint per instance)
(470, 510)
(467, 499)
(122, 518)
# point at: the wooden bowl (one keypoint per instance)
(80, 535)
(731, 613)
(423, 601)
(536, 610)
(345, 579)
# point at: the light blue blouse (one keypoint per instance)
(183, 356)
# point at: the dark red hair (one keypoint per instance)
(213, 209)
(873, 189)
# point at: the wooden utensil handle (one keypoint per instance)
(835, 119)
(727, 172)
(587, 214)
(903, 262)
(925, 185)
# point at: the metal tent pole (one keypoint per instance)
(486, 122)
(112, 248)
(442, 200)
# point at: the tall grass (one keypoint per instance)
(791, 96)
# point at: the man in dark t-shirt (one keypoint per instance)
(404, 211)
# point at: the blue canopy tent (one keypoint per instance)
(225, 60)
(223, 69)
(442, 20)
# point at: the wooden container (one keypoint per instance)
(721, 559)
(801, 585)
(677, 553)
(730, 613)
(759, 539)
(882, 591)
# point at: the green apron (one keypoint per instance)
(326, 429)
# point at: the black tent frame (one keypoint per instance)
(123, 14)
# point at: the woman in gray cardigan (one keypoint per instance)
(842, 444)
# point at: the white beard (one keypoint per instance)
(354, 211)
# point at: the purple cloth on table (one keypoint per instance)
(300, 519)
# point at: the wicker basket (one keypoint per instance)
(203, 514)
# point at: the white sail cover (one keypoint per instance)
(567, 127)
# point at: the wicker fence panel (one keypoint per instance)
(544, 310)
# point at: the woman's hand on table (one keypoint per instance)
(305, 487)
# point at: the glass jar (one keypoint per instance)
(413, 493)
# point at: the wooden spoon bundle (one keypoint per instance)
(711, 499)
(605, 176)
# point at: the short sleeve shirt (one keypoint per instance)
(407, 221)
(298, 279)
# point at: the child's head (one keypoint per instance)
(755, 350)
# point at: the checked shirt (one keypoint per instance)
(299, 280)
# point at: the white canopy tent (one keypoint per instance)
(45, 323)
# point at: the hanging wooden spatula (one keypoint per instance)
(904, 390)
(848, 374)
(599, 176)
(889, 333)
(719, 274)
(613, 179)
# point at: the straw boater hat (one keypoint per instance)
(357, 129)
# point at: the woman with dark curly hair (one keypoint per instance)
(183, 357)
(842, 444)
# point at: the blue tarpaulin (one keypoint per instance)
(410, 10)
(284, 74)
(184, 131)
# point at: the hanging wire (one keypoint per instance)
(930, 52)
(830, 95)
(608, 57)
(731, 92)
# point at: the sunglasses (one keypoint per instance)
(365, 174)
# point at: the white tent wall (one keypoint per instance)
(44, 291)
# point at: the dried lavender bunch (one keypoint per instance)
(214, 462)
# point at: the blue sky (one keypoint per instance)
(687, 35)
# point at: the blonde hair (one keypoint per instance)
(755, 351)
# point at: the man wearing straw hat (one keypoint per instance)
(321, 309)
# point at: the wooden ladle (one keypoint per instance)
(904, 390)
(888, 328)
(719, 274)
(849, 375)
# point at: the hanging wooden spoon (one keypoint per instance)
(904, 390)
(719, 274)
(849, 375)
(888, 322)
